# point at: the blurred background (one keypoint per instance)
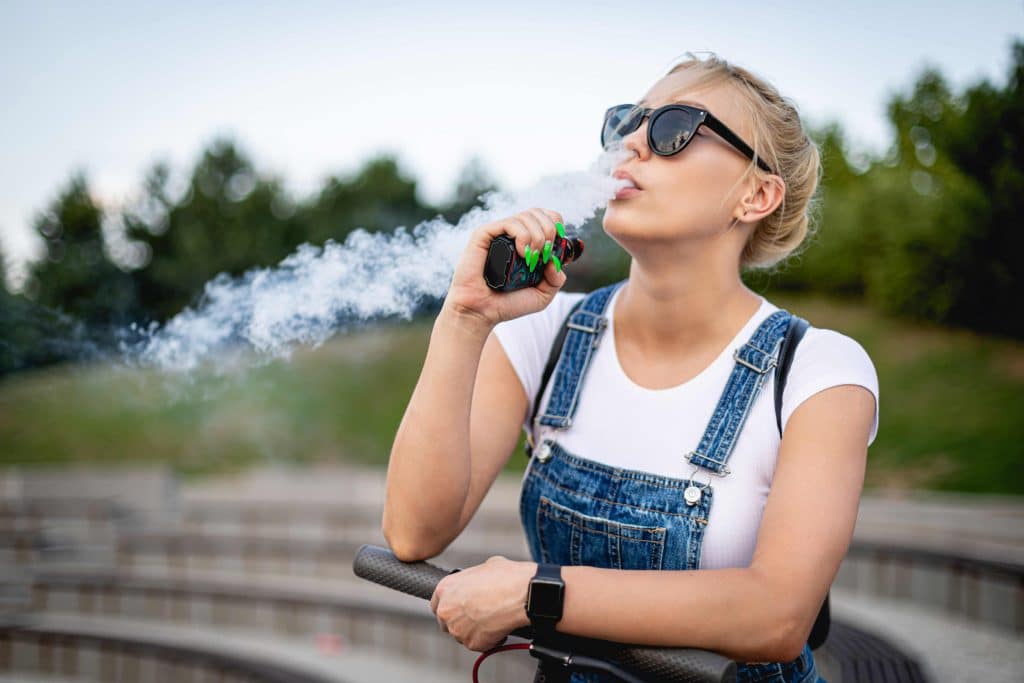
(148, 149)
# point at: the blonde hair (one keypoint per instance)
(779, 137)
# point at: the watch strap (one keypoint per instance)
(548, 571)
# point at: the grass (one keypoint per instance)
(952, 404)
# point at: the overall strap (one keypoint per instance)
(553, 354)
(585, 327)
(753, 361)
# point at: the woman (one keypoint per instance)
(662, 458)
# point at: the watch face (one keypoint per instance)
(545, 599)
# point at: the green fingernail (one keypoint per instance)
(526, 254)
(547, 251)
(558, 264)
(561, 230)
(533, 261)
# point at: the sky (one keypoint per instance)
(308, 89)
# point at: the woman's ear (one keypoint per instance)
(764, 198)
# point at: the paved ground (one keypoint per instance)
(953, 650)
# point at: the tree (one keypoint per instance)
(76, 276)
(377, 197)
(473, 181)
(932, 229)
(229, 220)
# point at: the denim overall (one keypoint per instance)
(581, 512)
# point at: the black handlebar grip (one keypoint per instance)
(380, 565)
(687, 665)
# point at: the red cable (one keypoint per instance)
(493, 650)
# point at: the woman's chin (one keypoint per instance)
(621, 219)
(624, 230)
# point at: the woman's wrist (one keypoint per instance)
(529, 570)
(463, 322)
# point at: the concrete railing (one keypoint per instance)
(108, 650)
(989, 591)
(361, 616)
(971, 580)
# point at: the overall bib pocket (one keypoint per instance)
(569, 537)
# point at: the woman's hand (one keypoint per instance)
(479, 606)
(470, 295)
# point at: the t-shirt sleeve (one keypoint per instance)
(527, 340)
(824, 359)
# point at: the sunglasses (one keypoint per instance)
(670, 128)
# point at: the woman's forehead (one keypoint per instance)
(683, 87)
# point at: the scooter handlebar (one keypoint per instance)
(688, 665)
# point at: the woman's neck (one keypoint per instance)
(692, 306)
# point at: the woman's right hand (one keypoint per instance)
(469, 296)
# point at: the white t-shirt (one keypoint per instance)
(622, 424)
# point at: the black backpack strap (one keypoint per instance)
(819, 632)
(794, 333)
(797, 327)
(556, 351)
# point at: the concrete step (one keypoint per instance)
(297, 660)
(358, 612)
(950, 649)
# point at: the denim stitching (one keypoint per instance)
(544, 554)
(741, 389)
(656, 547)
(597, 306)
(634, 475)
(575, 492)
(573, 523)
(575, 359)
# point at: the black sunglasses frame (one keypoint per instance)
(703, 118)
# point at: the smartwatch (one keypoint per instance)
(545, 598)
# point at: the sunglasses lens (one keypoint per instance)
(618, 123)
(671, 130)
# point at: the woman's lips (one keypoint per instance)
(627, 192)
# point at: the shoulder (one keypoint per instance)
(542, 324)
(826, 358)
(828, 349)
(527, 340)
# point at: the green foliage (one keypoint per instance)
(229, 220)
(473, 181)
(933, 229)
(76, 276)
(378, 197)
(930, 230)
(950, 406)
(32, 335)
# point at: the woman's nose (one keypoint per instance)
(637, 140)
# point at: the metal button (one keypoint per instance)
(544, 452)
(692, 495)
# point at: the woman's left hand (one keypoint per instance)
(479, 606)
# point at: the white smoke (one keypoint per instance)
(308, 297)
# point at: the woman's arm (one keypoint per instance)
(429, 469)
(760, 613)
(462, 422)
